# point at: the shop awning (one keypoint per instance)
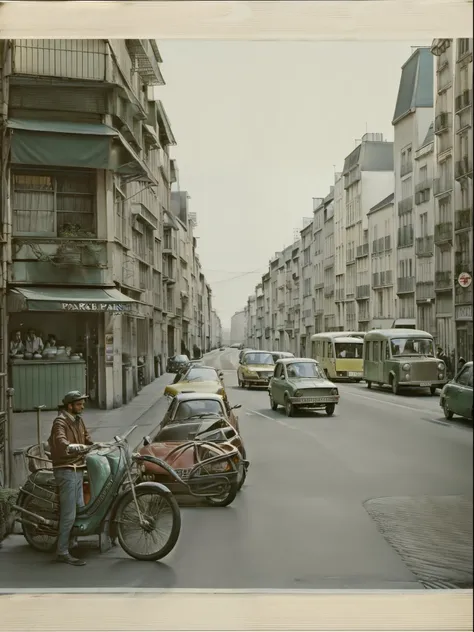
(55, 299)
(80, 145)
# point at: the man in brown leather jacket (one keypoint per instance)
(68, 442)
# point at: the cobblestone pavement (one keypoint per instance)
(432, 534)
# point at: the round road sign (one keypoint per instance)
(464, 279)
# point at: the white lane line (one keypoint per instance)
(278, 421)
(384, 401)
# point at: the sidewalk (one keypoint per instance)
(146, 410)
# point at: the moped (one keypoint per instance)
(144, 517)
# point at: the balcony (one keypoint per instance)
(328, 262)
(425, 185)
(406, 168)
(425, 291)
(463, 219)
(362, 292)
(463, 168)
(443, 122)
(289, 325)
(328, 290)
(424, 246)
(145, 57)
(362, 251)
(170, 245)
(443, 281)
(463, 295)
(382, 279)
(462, 264)
(443, 233)
(405, 205)
(463, 101)
(405, 236)
(59, 260)
(442, 186)
(405, 285)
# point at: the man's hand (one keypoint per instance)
(76, 448)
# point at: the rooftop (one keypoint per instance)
(416, 84)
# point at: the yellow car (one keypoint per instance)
(255, 369)
(197, 379)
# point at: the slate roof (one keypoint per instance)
(416, 84)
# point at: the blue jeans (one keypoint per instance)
(71, 497)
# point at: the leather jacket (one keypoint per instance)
(65, 430)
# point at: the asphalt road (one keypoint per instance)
(379, 496)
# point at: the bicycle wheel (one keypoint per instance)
(158, 536)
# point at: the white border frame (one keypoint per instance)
(239, 610)
(241, 20)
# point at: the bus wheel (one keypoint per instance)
(369, 384)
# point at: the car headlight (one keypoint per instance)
(298, 393)
(406, 367)
(441, 366)
(334, 391)
(221, 391)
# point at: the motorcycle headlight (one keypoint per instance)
(219, 467)
(406, 367)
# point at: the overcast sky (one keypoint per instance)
(259, 127)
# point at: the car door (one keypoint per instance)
(276, 384)
(461, 402)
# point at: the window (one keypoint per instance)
(463, 47)
(423, 175)
(54, 204)
(423, 224)
(465, 377)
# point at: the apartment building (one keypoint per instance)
(368, 178)
(382, 255)
(238, 327)
(453, 194)
(93, 254)
(411, 120)
(329, 318)
(424, 220)
(251, 321)
(310, 308)
(463, 198)
(216, 330)
(339, 251)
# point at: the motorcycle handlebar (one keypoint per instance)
(107, 444)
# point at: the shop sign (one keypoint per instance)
(463, 312)
(96, 307)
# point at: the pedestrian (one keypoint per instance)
(461, 363)
(68, 441)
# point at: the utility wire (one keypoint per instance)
(239, 276)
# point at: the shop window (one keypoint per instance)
(54, 205)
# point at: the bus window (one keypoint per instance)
(376, 352)
(348, 350)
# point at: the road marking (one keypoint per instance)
(278, 421)
(382, 401)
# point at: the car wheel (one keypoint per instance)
(330, 408)
(433, 390)
(226, 498)
(289, 408)
(447, 413)
(395, 387)
(369, 384)
(273, 404)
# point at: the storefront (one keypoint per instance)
(62, 339)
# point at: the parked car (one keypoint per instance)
(200, 405)
(202, 379)
(280, 355)
(255, 369)
(177, 363)
(210, 467)
(299, 383)
(456, 396)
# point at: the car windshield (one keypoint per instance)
(412, 346)
(201, 375)
(258, 358)
(305, 369)
(349, 349)
(194, 407)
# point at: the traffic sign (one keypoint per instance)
(464, 279)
